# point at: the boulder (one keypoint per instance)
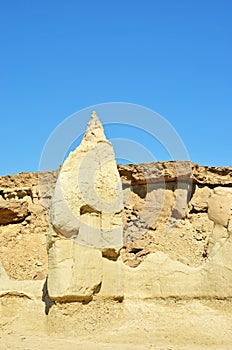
(199, 201)
(220, 205)
(12, 211)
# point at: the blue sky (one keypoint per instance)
(58, 57)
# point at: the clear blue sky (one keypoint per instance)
(57, 57)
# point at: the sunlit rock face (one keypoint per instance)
(87, 202)
(189, 259)
(86, 210)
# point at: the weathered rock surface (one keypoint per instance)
(200, 199)
(74, 271)
(86, 214)
(174, 229)
(140, 174)
(191, 258)
(22, 242)
(87, 203)
(12, 211)
(220, 205)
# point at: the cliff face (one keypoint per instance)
(177, 243)
(169, 203)
(156, 217)
(23, 225)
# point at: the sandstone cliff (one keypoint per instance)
(169, 286)
(198, 232)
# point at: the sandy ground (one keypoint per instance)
(163, 325)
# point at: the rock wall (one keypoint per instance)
(168, 250)
(137, 231)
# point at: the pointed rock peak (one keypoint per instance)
(95, 129)
(94, 119)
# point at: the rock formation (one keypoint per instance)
(88, 219)
(85, 216)
(128, 254)
(13, 211)
(87, 202)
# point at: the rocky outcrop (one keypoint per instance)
(13, 211)
(85, 216)
(22, 248)
(167, 234)
(140, 174)
(23, 227)
(220, 206)
(176, 229)
(87, 202)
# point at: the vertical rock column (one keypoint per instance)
(85, 218)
